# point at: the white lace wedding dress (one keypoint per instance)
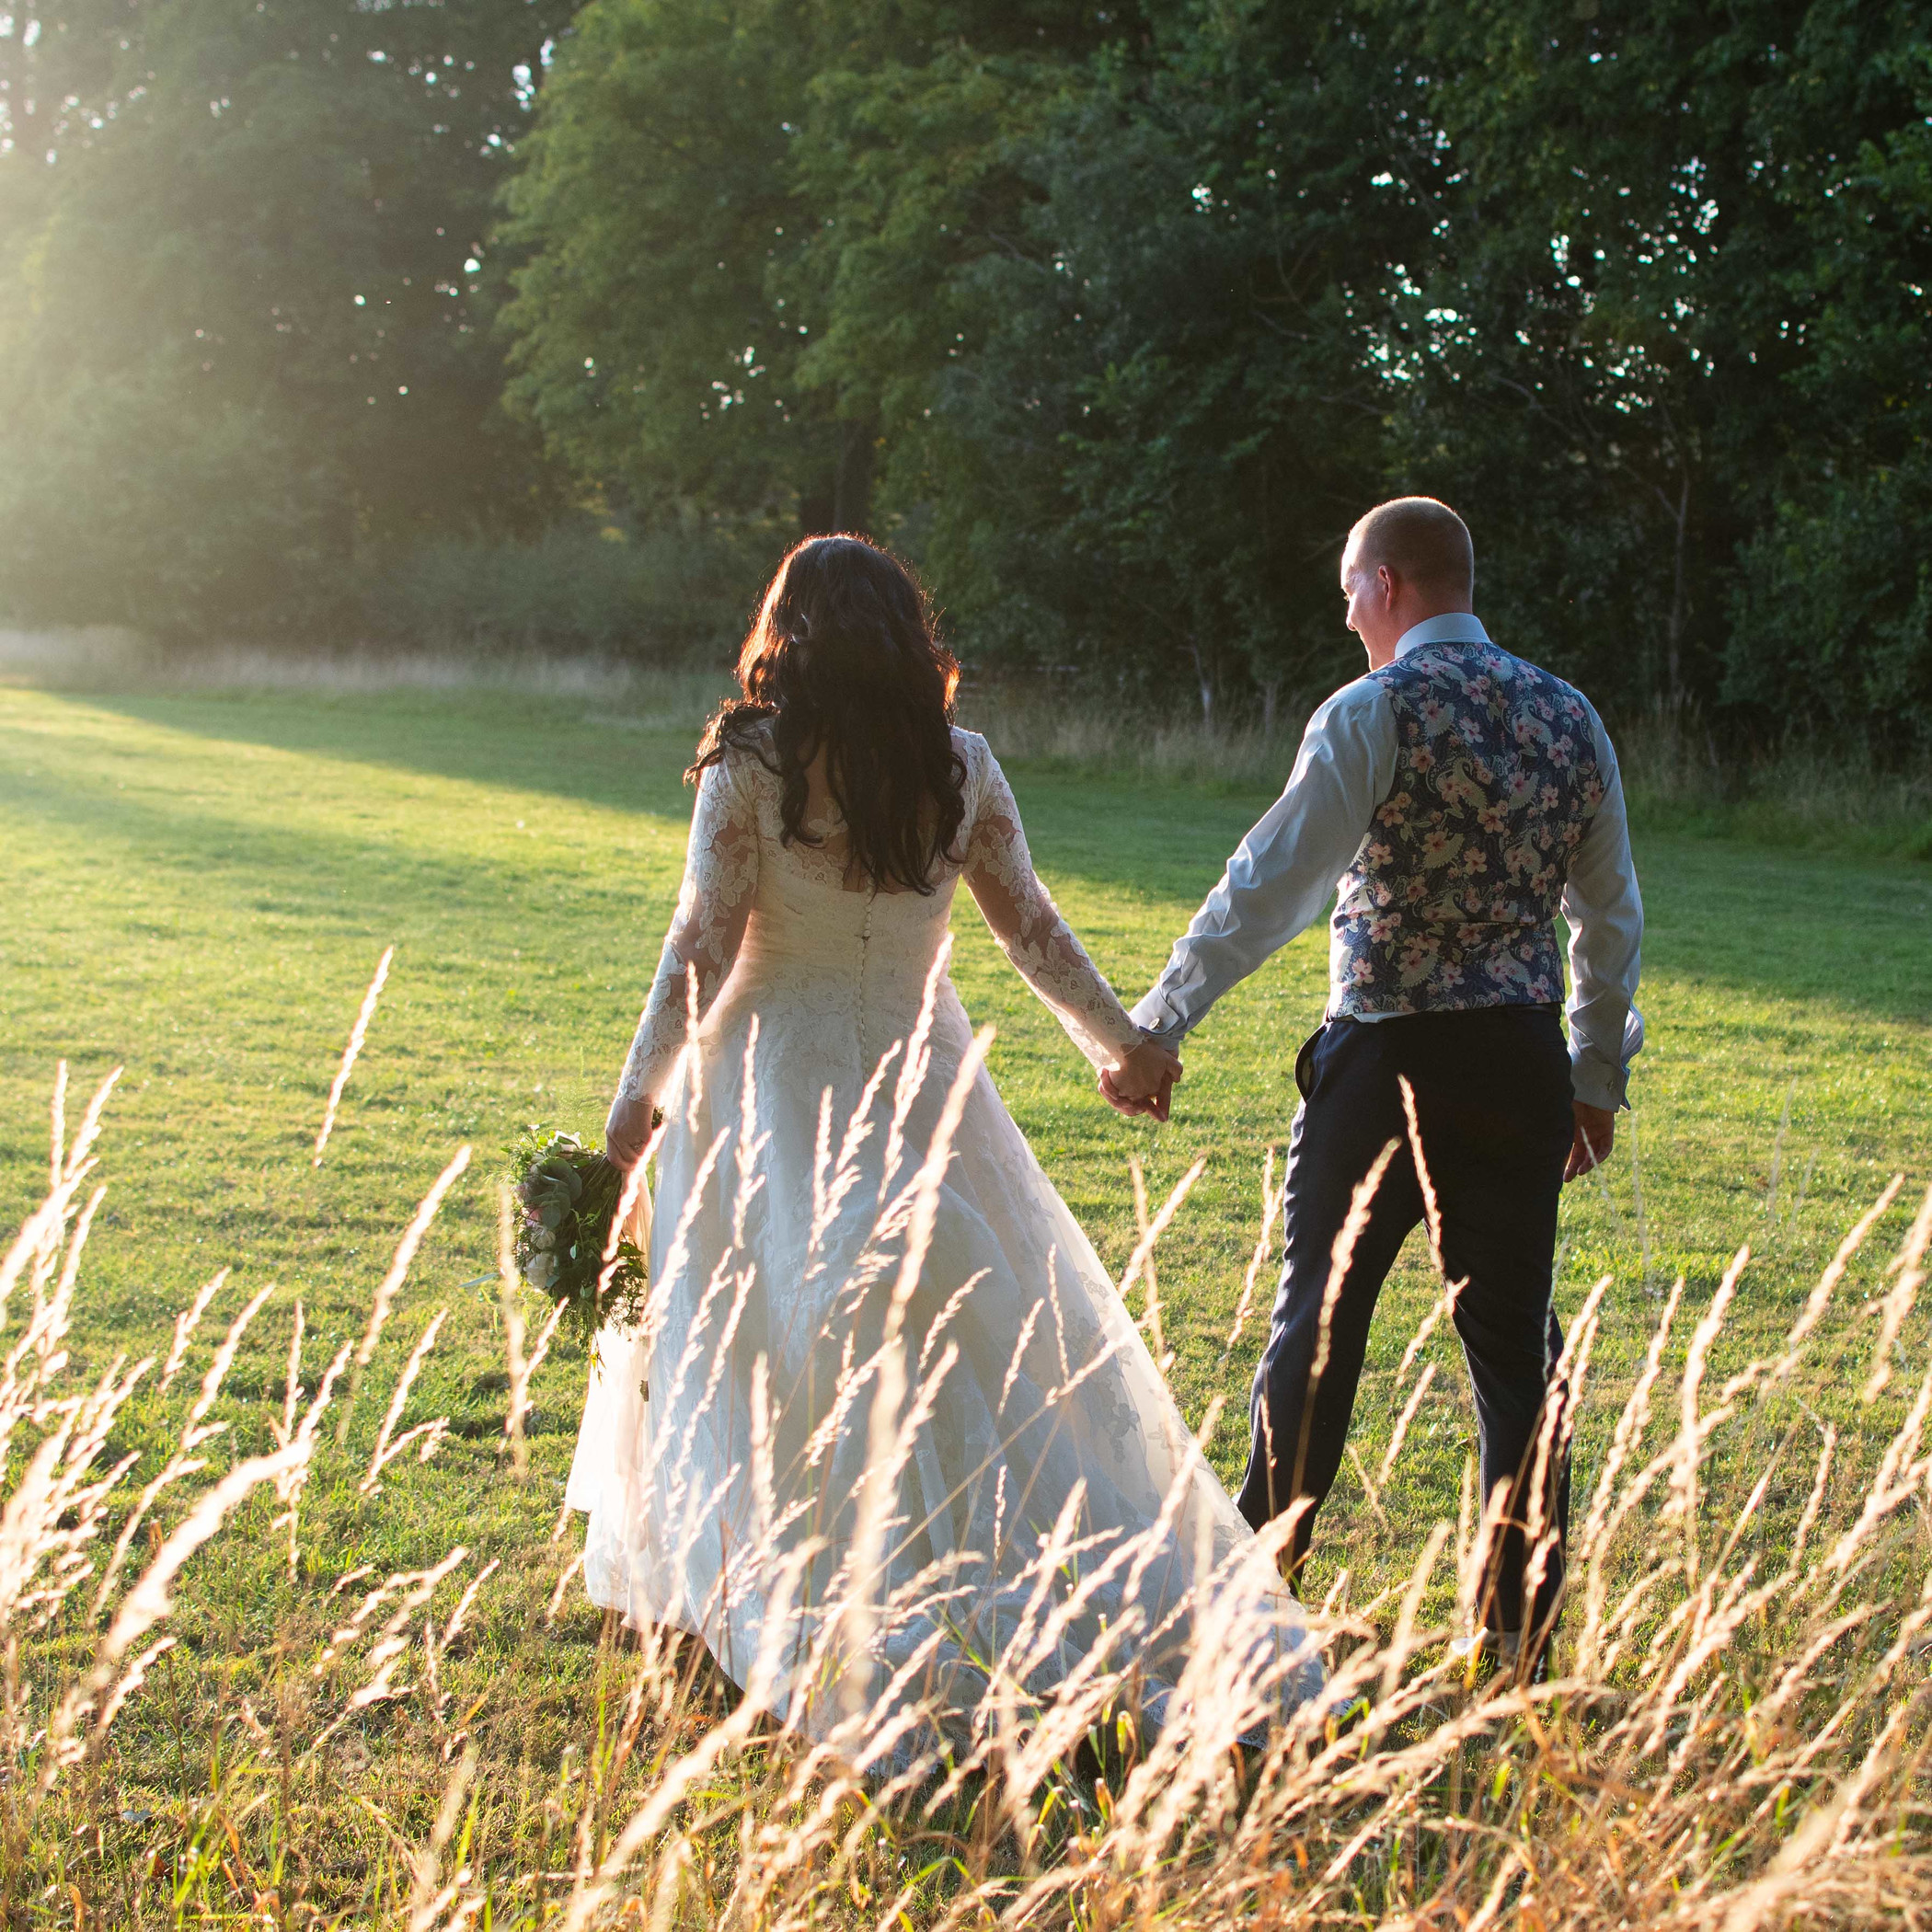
(888, 1438)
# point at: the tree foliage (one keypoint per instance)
(244, 329)
(1114, 316)
(1664, 324)
(1130, 311)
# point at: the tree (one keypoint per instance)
(742, 219)
(1833, 594)
(1174, 375)
(1611, 349)
(246, 334)
(654, 196)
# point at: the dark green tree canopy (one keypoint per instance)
(1118, 317)
(1113, 317)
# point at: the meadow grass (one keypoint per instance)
(201, 886)
(1798, 794)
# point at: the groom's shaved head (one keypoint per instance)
(1418, 538)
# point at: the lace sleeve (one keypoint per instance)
(999, 874)
(720, 877)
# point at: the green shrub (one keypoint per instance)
(660, 596)
(1832, 618)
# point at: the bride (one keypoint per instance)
(886, 1438)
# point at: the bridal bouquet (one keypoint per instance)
(569, 1195)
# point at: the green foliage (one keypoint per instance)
(653, 199)
(243, 333)
(1174, 373)
(1634, 330)
(741, 217)
(1113, 318)
(662, 596)
(1830, 601)
(1125, 315)
(1833, 593)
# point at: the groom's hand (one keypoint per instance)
(1143, 1082)
(1155, 1106)
(1595, 1135)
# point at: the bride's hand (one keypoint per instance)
(1144, 1081)
(626, 1130)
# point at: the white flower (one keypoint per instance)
(542, 1271)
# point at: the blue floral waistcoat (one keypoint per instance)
(1452, 899)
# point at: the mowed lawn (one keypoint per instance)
(197, 888)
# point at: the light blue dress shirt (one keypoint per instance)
(1284, 872)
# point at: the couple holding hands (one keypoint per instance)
(886, 1438)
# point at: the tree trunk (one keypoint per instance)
(852, 485)
(818, 507)
(841, 494)
(1202, 683)
(1673, 636)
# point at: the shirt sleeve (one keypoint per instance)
(1604, 912)
(1028, 926)
(1281, 874)
(713, 906)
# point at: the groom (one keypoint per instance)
(1454, 799)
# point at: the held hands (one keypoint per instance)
(1143, 1082)
(1596, 1134)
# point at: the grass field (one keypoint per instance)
(199, 887)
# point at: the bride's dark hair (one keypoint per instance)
(844, 659)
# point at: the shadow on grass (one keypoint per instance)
(562, 746)
(1794, 926)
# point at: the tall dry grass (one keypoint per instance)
(1734, 1733)
(1797, 793)
(1072, 726)
(629, 692)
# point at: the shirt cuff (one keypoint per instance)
(1154, 1017)
(1597, 1082)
